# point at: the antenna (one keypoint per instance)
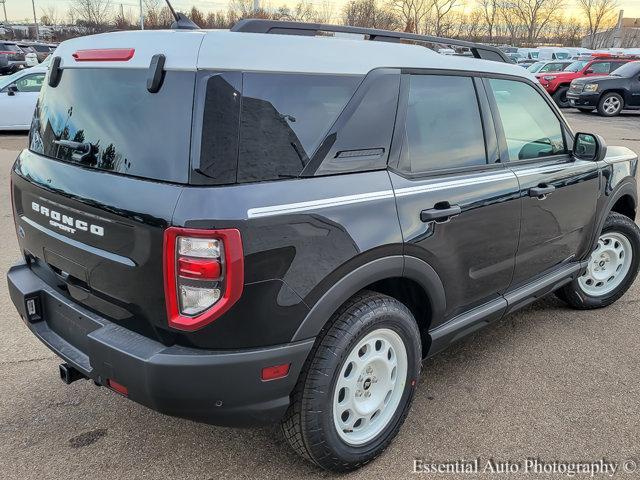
(182, 21)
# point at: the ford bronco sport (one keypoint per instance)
(272, 225)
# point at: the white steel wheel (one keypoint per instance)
(370, 386)
(611, 105)
(608, 266)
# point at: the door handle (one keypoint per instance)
(541, 191)
(440, 214)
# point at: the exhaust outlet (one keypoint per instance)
(69, 374)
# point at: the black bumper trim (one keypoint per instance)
(218, 387)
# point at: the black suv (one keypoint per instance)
(15, 57)
(246, 228)
(610, 94)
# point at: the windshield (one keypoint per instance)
(9, 47)
(576, 66)
(562, 55)
(535, 67)
(627, 70)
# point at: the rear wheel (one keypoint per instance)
(610, 105)
(357, 386)
(612, 267)
(560, 97)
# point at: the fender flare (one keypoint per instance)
(373, 271)
(625, 187)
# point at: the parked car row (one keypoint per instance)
(17, 55)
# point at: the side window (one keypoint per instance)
(600, 67)
(284, 118)
(443, 127)
(533, 131)
(615, 66)
(30, 83)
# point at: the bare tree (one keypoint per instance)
(411, 13)
(367, 13)
(94, 14)
(489, 9)
(440, 10)
(49, 15)
(535, 15)
(599, 14)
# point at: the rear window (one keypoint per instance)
(130, 131)
(9, 47)
(274, 130)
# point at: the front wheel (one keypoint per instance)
(357, 386)
(610, 105)
(612, 267)
(560, 97)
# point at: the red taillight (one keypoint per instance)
(199, 268)
(203, 275)
(117, 387)
(104, 55)
(275, 372)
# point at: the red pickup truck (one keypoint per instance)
(557, 84)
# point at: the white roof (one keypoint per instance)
(226, 50)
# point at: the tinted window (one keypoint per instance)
(30, 83)
(131, 131)
(600, 67)
(443, 125)
(9, 47)
(284, 117)
(629, 69)
(530, 126)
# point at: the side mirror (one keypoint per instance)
(587, 72)
(589, 146)
(12, 90)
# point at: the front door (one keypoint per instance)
(17, 107)
(458, 206)
(558, 192)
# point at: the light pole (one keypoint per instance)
(35, 20)
(4, 6)
(141, 16)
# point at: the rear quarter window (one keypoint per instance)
(267, 126)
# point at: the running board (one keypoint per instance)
(479, 317)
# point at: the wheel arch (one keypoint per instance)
(623, 200)
(409, 279)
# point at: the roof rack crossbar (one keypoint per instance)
(253, 25)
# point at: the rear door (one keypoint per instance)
(458, 205)
(558, 191)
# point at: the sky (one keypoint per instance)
(21, 9)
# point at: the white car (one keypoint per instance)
(18, 97)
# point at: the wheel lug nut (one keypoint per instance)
(367, 394)
(358, 393)
(374, 380)
(369, 369)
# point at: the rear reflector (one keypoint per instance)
(116, 387)
(275, 372)
(104, 55)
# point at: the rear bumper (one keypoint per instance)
(589, 100)
(217, 387)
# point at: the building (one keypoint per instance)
(626, 34)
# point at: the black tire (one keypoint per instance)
(586, 110)
(560, 97)
(606, 98)
(574, 295)
(308, 424)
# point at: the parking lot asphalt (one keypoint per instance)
(547, 382)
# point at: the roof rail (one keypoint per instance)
(252, 25)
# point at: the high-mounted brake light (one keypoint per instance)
(104, 55)
(203, 275)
